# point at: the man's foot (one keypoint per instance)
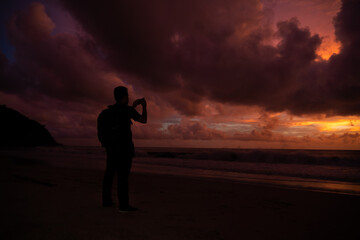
(108, 204)
(127, 209)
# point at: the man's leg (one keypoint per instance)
(123, 181)
(109, 177)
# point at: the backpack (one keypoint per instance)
(105, 127)
(114, 126)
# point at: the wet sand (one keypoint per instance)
(44, 202)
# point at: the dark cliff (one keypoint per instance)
(18, 130)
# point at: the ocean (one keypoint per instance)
(336, 171)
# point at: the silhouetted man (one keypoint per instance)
(114, 133)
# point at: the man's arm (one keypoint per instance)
(143, 117)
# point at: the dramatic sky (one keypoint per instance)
(215, 73)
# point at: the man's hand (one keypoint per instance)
(136, 102)
(141, 101)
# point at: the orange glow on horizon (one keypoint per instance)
(352, 125)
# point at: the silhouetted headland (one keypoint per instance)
(18, 130)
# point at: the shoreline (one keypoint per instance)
(279, 181)
(247, 173)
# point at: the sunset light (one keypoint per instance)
(351, 125)
(326, 50)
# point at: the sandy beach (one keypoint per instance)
(46, 202)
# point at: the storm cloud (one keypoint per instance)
(64, 66)
(219, 50)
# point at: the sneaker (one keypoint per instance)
(127, 209)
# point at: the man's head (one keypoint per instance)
(121, 95)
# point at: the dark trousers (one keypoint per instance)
(118, 162)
